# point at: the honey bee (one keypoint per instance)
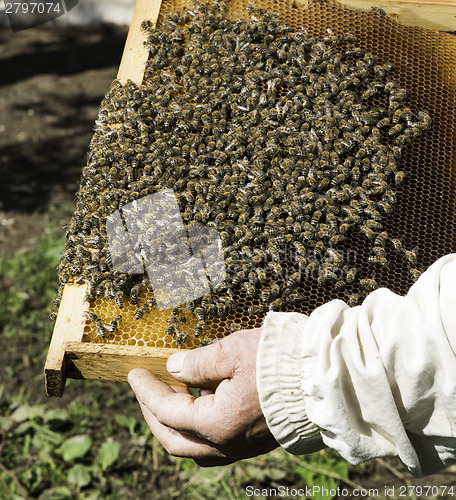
(175, 311)
(384, 123)
(274, 252)
(399, 177)
(173, 320)
(199, 328)
(300, 248)
(379, 260)
(221, 309)
(181, 339)
(235, 327)
(293, 280)
(338, 179)
(354, 300)
(256, 309)
(397, 94)
(397, 115)
(415, 273)
(91, 316)
(340, 285)
(351, 274)
(381, 239)
(119, 299)
(373, 224)
(115, 322)
(336, 240)
(411, 256)
(396, 242)
(386, 207)
(372, 90)
(291, 184)
(276, 304)
(327, 274)
(395, 129)
(261, 274)
(134, 293)
(424, 121)
(334, 257)
(101, 329)
(238, 278)
(355, 174)
(109, 289)
(369, 284)
(259, 256)
(380, 251)
(370, 233)
(144, 309)
(99, 290)
(275, 291)
(99, 325)
(250, 289)
(317, 215)
(372, 212)
(205, 301)
(199, 313)
(56, 302)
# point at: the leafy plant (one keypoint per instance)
(108, 453)
(75, 447)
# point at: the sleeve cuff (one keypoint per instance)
(279, 381)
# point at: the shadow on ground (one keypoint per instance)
(52, 81)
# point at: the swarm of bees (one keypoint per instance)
(285, 144)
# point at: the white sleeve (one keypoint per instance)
(373, 380)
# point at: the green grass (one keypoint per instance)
(93, 443)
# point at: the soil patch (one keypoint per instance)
(52, 81)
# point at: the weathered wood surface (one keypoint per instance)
(113, 362)
(439, 15)
(135, 54)
(69, 326)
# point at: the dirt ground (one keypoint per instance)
(51, 84)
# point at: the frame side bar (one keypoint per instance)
(69, 326)
(135, 54)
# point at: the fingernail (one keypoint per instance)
(175, 362)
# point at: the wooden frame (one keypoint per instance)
(439, 15)
(68, 356)
(134, 57)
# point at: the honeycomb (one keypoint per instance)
(423, 218)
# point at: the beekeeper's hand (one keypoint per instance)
(225, 423)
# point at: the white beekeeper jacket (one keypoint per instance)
(373, 380)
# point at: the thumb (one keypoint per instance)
(203, 367)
